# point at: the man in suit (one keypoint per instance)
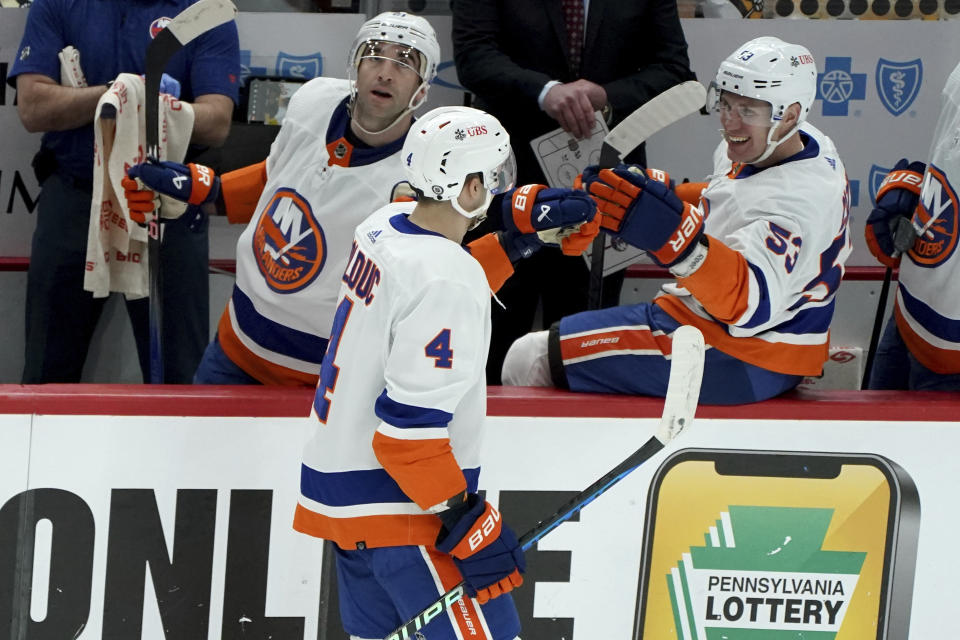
(540, 64)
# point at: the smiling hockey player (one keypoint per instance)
(758, 251)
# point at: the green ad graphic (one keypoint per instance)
(762, 573)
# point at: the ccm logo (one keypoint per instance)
(486, 527)
(689, 225)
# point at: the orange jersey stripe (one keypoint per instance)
(241, 189)
(491, 256)
(690, 191)
(426, 470)
(722, 283)
(938, 360)
(268, 373)
(792, 359)
(373, 531)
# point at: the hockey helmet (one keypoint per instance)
(771, 70)
(449, 144)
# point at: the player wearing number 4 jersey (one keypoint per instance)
(758, 254)
(334, 161)
(391, 473)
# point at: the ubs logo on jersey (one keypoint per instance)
(288, 244)
(938, 202)
(157, 26)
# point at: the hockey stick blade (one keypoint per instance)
(658, 113)
(193, 21)
(679, 407)
(655, 114)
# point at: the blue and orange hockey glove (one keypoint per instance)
(888, 231)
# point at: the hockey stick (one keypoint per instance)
(904, 236)
(187, 25)
(679, 407)
(657, 113)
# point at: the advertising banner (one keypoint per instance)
(165, 528)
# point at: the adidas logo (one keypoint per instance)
(373, 235)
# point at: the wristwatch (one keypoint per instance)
(607, 113)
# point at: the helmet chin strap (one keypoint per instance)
(410, 108)
(771, 145)
(476, 215)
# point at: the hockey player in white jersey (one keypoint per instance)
(757, 252)
(920, 347)
(391, 472)
(334, 161)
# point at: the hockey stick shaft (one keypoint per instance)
(187, 25)
(877, 324)
(654, 115)
(679, 407)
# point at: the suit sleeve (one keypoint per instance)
(482, 67)
(662, 60)
(436, 357)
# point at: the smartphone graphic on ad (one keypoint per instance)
(777, 545)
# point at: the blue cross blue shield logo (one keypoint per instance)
(898, 83)
(305, 67)
(877, 174)
(838, 85)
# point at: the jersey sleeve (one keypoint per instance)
(437, 355)
(750, 277)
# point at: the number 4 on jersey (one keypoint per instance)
(439, 349)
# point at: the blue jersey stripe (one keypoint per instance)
(406, 415)
(370, 486)
(762, 313)
(939, 325)
(274, 336)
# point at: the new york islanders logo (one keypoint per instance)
(938, 202)
(157, 26)
(288, 244)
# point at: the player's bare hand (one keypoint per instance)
(572, 105)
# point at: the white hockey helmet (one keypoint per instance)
(774, 71)
(449, 144)
(403, 29)
(771, 70)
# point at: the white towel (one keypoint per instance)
(116, 246)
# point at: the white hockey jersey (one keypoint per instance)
(293, 252)
(927, 307)
(765, 293)
(401, 399)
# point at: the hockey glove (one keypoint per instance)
(645, 212)
(193, 183)
(484, 549)
(534, 215)
(888, 231)
(572, 240)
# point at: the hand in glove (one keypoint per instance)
(644, 212)
(484, 549)
(533, 215)
(193, 183)
(888, 231)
